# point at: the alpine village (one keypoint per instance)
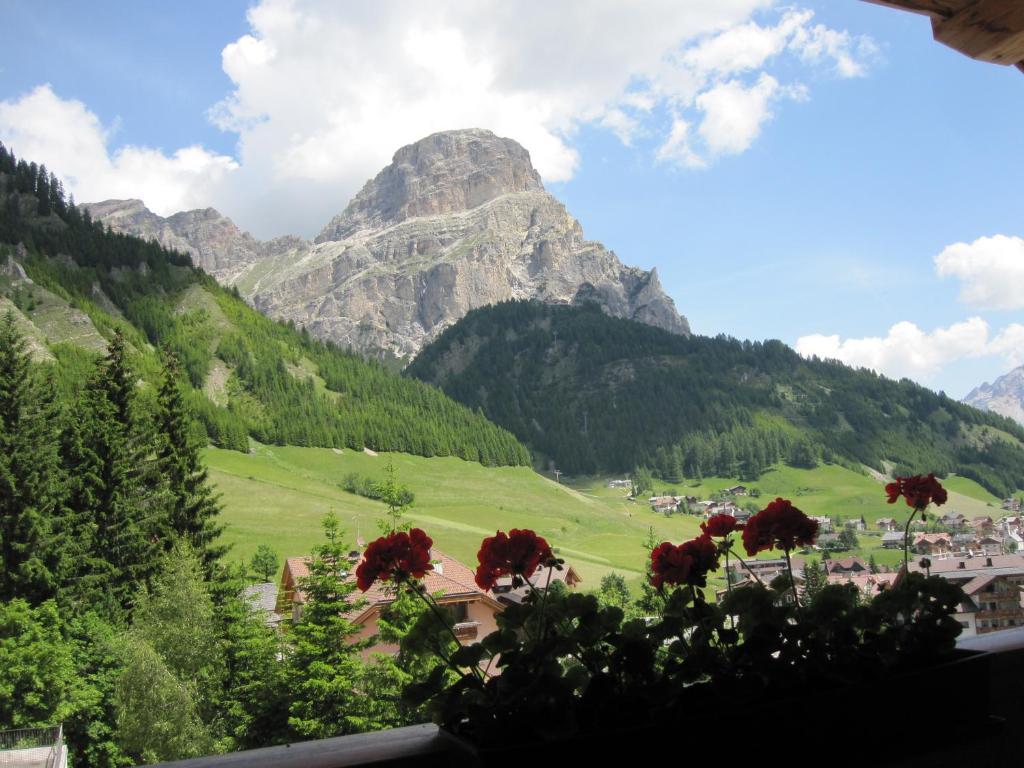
(449, 483)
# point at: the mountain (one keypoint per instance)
(458, 220)
(590, 393)
(1004, 396)
(71, 284)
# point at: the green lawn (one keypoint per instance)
(278, 495)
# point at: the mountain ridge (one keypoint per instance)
(1004, 396)
(457, 220)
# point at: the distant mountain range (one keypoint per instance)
(1004, 396)
(458, 220)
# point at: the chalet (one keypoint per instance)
(506, 594)
(857, 524)
(765, 570)
(844, 566)
(868, 584)
(824, 523)
(737, 490)
(965, 542)
(992, 588)
(982, 524)
(263, 597)
(893, 540)
(1012, 505)
(932, 544)
(664, 504)
(452, 583)
(953, 520)
(990, 545)
(887, 523)
(620, 484)
(827, 541)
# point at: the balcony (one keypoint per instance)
(467, 630)
(424, 747)
(33, 748)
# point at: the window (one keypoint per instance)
(459, 612)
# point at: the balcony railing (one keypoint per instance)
(467, 630)
(33, 747)
(423, 746)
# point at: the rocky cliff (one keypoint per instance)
(1005, 395)
(458, 220)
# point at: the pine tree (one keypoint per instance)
(325, 664)
(117, 488)
(30, 477)
(194, 509)
(815, 579)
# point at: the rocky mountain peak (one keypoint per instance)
(1005, 395)
(458, 220)
(444, 173)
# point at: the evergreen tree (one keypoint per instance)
(325, 664)
(194, 508)
(815, 579)
(30, 476)
(118, 490)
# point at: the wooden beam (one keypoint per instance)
(988, 30)
(943, 8)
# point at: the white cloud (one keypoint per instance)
(323, 93)
(72, 141)
(991, 269)
(908, 351)
(734, 114)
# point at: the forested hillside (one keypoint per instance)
(247, 376)
(593, 393)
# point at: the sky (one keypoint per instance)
(819, 172)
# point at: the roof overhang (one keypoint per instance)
(986, 30)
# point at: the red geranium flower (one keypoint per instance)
(688, 563)
(919, 491)
(519, 553)
(780, 524)
(720, 525)
(395, 557)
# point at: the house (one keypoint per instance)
(844, 566)
(932, 544)
(858, 524)
(992, 587)
(737, 490)
(507, 595)
(824, 523)
(953, 520)
(868, 584)
(765, 570)
(887, 523)
(893, 540)
(452, 583)
(664, 504)
(620, 484)
(982, 524)
(990, 545)
(1012, 505)
(263, 597)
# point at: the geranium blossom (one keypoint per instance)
(519, 553)
(396, 557)
(780, 524)
(720, 525)
(687, 563)
(919, 491)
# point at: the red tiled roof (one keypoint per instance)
(449, 579)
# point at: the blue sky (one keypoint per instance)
(824, 216)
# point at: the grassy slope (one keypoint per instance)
(278, 495)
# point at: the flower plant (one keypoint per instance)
(560, 665)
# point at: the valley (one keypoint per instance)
(277, 495)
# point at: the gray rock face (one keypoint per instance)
(1005, 395)
(458, 220)
(212, 240)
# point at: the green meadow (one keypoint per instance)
(278, 495)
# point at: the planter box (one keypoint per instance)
(933, 717)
